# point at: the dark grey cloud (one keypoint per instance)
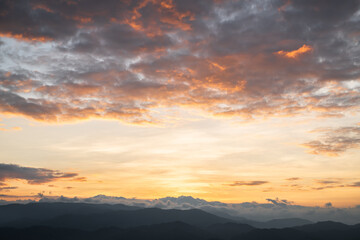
(335, 141)
(32, 175)
(328, 205)
(247, 183)
(320, 12)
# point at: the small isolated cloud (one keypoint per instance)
(247, 183)
(326, 182)
(32, 175)
(335, 141)
(293, 179)
(295, 53)
(329, 186)
(79, 179)
(355, 184)
(7, 188)
(328, 205)
(279, 202)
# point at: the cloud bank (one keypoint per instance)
(71, 60)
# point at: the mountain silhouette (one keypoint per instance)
(45, 210)
(122, 218)
(77, 221)
(178, 231)
(282, 223)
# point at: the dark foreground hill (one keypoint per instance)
(60, 214)
(55, 221)
(178, 231)
(44, 211)
(125, 219)
(92, 216)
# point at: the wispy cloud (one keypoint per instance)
(7, 188)
(329, 184)
(335, 141)
(293, 179)
(247, 183)
(355, 184)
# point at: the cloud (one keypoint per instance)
(32, 175)
(125, 59)
(295, 53)
(335, 141)
(329, 184)
(293, 179)
(278, 202)
(355, 184)
(326, 182)
(247, 183)
(328, 205)
(7, 188)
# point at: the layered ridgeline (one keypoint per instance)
(105, 221)
(262, 215)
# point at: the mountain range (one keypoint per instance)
(105, 221)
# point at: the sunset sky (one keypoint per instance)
(223, 100)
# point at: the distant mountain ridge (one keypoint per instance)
(77, 221)
(44, 213)
(246, 212)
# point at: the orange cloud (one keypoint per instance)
(217, 65)
(22, 37)
(43, 7)
(295, 53)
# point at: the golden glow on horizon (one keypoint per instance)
(185, 159)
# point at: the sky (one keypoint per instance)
(224, 100)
